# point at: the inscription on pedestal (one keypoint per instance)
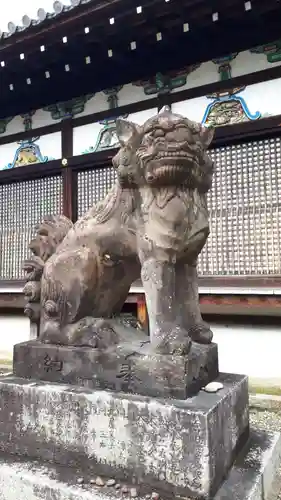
(182, 448)
(52, 364)
(134, 369)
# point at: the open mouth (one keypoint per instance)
(180, 154)
(168, 172)
(174, 155)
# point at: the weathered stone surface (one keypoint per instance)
(180, 447)
(153, 224)
(255, 470)
(130, 367)
(249, 479)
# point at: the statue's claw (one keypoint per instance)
(176, 342)
(201, 333)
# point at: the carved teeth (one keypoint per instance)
(171, 154)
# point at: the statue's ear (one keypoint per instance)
(207, 135)
(127, 132)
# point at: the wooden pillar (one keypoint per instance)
(69, 178)
(142, 312)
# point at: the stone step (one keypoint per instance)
(22, 479)
(255, 474)
(251, 478)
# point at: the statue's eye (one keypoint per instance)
(159, 133)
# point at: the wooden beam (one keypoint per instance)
(66, 83)
(39, 131)
(12, 301)
(82, 120)
(69, 176)
(222, 86)
(32, 171)
(154, 102)
(246, 281)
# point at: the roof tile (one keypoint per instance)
(42, 16)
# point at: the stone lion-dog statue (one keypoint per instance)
(152, 224)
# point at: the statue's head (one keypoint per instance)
(167, 149)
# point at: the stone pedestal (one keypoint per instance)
(130, 367)
(178, 448)
(249, 479)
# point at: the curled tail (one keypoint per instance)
(49, 234)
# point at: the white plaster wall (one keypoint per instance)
(264, 97)
(87, 135)
(205, 74)
(193, 109)
(96, 104)
(14, 126)
(41, 118)
(14, 329)
(251, 350)
(50, 145)
(142, 116)
(247, 62)
(132, 93)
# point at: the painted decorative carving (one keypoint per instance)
(163, 84)
(27, 120)
(107, 138)
(272, 51)
(28, 152)
(224, 66)
(153, 224)
(68, 109)
(112, 96)
(228, 108)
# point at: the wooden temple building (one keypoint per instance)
(65, 77)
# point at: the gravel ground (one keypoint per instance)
(269, 419)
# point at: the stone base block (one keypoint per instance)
(129, 367)
(253, 477)
(181, 448)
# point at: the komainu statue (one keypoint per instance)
(153, 223)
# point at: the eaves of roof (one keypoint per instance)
(59, 10)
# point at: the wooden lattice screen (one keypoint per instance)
(244, 205)
(92, 187)
(22, 206)
(245, 210)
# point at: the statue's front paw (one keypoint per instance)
(92, 332)
(201, 333)
(176, 342)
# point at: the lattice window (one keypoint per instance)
(93, 185)
(22, 206)
(245, 210)
(244, 206)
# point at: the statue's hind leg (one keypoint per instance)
(188, 303)
(77, 300)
